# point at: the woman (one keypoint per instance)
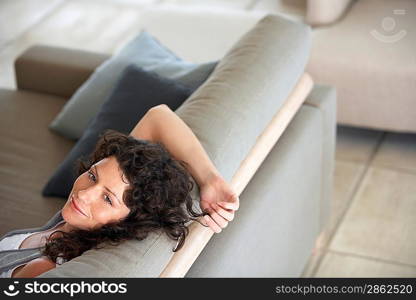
(131, 186)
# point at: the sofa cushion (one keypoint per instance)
(227, 114)
(322, 12)
(376, 81)
(63, 70)
(143, 51)
(29, 153)
(135, 93)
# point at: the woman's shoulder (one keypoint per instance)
(35, 267)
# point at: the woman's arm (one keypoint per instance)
(34, 268)
(161, 124)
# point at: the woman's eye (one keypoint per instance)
(108, 199)
(91, 175)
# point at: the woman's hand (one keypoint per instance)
(220, 201)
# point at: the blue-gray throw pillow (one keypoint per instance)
(135, 93)
(143, 51)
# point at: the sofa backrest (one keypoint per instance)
(227, 114)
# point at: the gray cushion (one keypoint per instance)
(143, 51)
(135, 93)
(227, 114)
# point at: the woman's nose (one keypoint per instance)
(88, 194)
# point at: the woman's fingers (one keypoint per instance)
(234, 204)
(212, 224)
(226, 214)
(218, 219)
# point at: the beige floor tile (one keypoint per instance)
(339, 265)
(293, 8)
(381, 220)
(17, 16)
(347, 176)
(235, 4)
(398, 150)
(356, 144)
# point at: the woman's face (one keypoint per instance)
(97, 193)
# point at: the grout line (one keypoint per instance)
(373, 258)
(377, 148)
(351, 160)
(411, 171)
(349, 203)
(399, 169)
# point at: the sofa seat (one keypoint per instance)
(375, 79)
(29, 154)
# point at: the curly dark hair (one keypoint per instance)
(160, 186)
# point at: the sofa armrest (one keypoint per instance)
(324, 12)
(53, 70)
(324, 98)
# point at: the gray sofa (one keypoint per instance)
(282, 210)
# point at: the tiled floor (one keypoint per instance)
(374, 207)
(371, 232)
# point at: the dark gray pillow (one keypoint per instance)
(134, 94)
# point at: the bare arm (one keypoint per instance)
(161, 124)
(34, 268)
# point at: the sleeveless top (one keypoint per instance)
(11, 243)
(11, 257)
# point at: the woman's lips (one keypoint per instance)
(75, 207)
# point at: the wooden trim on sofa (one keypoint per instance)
(199, 235)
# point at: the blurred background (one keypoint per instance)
(365, 48)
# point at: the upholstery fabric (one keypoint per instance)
(323, 12)
(324, 98)
(52, 63)
(29, 153)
